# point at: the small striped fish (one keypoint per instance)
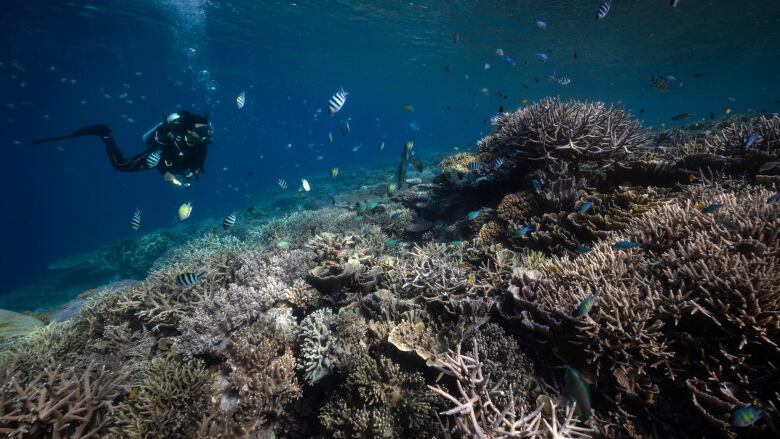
(499, 162)
(241, 100)
(282, 183)
(153, 159)
(229, 220)
(603, 9)
(135, 221)
(659, 83)
(564, 80)
(337, 101)
(475, 166)
(189, 280)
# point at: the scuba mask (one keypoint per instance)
(201, 135)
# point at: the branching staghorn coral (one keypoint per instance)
(299, 227)
(478, 414)
(57, 403)
(55, 343)
(432, 271)
(326, 340)
(553, 130)
(699, 300)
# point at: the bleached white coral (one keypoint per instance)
(317, 343)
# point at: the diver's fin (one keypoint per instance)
(92, 130)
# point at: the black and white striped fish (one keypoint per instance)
(474, 166)
(282, 183)
(189, 280)
(337, 101)
(499, 162)
(153, 159)
(135, 221)
(603, 9)
(229, 220)
(241, 100)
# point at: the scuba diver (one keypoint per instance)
(176, 147)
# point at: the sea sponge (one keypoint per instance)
(697, 301)
(552, 130)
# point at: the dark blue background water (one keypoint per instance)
(60, 59)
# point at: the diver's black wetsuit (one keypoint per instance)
(176, 158)
(181, 140)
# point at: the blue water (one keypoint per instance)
(61, 59)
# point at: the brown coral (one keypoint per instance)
(59, 403)
(689, 304)
(517, 207)
(556, 130)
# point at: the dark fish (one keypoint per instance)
(730, 225)
(681, 116)
(537, 80)
(774, 198)
(659, 83)
(585, 206)
(537, 186)
(250, 209)
(500, 108)
(456, 37)
(711, 208)
(229, 221)
(416, 163)
(712, 115)
(250, 173)
(577, 389)
(525, 86)
(135, 221)
(603, 9)
(674, 3)
(574, 55)
(768, 166)
(625, 245)
(405, 154)
(698, 75)
(641, 110)
(585, 306)
(745, 416)
(188, 280)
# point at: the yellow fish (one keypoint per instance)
(700, 205)
(170, 178)
(455, 148)
(184, 211)
(334, 172)
(524, 102)
(133, 393)
(692, 178)
(728, 110)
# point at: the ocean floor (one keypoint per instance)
(577, 275)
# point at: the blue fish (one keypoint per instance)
(520, 231)
(582, 249)
(542, 57)
(456, 242)
(577, 389)
(712, 208)
(670, 78)
(537, 186)
(625, 245)
(745, 416)
(603, 9)
(774, 199)
(585, 206)
(473, 215)
(750, 140)
(585, 306)
(510, 60)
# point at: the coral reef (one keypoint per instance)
(697, 302)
